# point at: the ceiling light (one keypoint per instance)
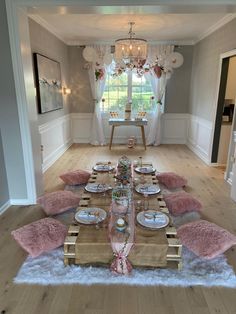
(131, 50)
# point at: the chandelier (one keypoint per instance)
(132, 51)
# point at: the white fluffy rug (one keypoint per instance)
(49, 269)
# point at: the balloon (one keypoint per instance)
(89, 54)
(176, 59)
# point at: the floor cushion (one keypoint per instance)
(40, 236)
(75, 177)
(58, 202)
(205, 239)
(179, 203)
(171, 180)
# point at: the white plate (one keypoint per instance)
(153, 219)
(148, 189)
(145, 170)
(97, 187)
(103, 168)
(90, 215)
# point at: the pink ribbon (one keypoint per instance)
(121, 264)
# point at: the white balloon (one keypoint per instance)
(176, 59)
(89, 54)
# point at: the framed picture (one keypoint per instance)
(48, 83)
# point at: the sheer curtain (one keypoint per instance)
(158, 88)
(97, 87)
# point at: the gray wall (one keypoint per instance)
(81, 97)
(9, 119)
(178, 86)
(42, 41)
(4, 194)
(206, 60)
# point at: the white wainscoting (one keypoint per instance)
(199, 137)
(55, 139)
(81, 124)
(58, 135)
(174, 128)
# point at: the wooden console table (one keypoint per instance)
(122, 122)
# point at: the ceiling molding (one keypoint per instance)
(156, 42)
(226, 19)
(38, 19)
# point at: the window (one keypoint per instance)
(120, 89)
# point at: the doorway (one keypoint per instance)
(223, 144)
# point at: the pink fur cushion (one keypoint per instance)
(171, 180)
(75, 177)
(58, 202)
(205, 239)
(179, 203)
(40, 236)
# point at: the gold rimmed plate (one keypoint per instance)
(97, 187)
(90, 215)
(153, 219)
(145, 169)
(103, 168)
(148, 189)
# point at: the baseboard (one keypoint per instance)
(20, 202)
(217, 164)
(49, 161)
(173, 141)
(196, 150)
(4, 207)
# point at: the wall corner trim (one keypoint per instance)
(4, 207)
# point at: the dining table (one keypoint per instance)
(91, 244)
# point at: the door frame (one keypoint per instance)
(223, 56)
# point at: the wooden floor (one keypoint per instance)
(206, 183)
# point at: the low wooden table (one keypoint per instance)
(122, 122)
(86, 245)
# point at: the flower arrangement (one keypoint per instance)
(140, 67)
(99, 74)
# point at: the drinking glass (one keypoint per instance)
(146, 201)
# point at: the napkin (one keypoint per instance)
(154, 217)
(91, 216)
(149, 188)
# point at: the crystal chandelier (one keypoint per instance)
(132, 51)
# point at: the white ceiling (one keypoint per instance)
(80, 29)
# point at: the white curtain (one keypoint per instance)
(158, 88)
(97, 87)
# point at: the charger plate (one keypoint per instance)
(103, 168)
(97, 187)
(153, 219)
(145, 170)
(90, 215)
(148, 189)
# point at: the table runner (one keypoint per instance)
(121, 242)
